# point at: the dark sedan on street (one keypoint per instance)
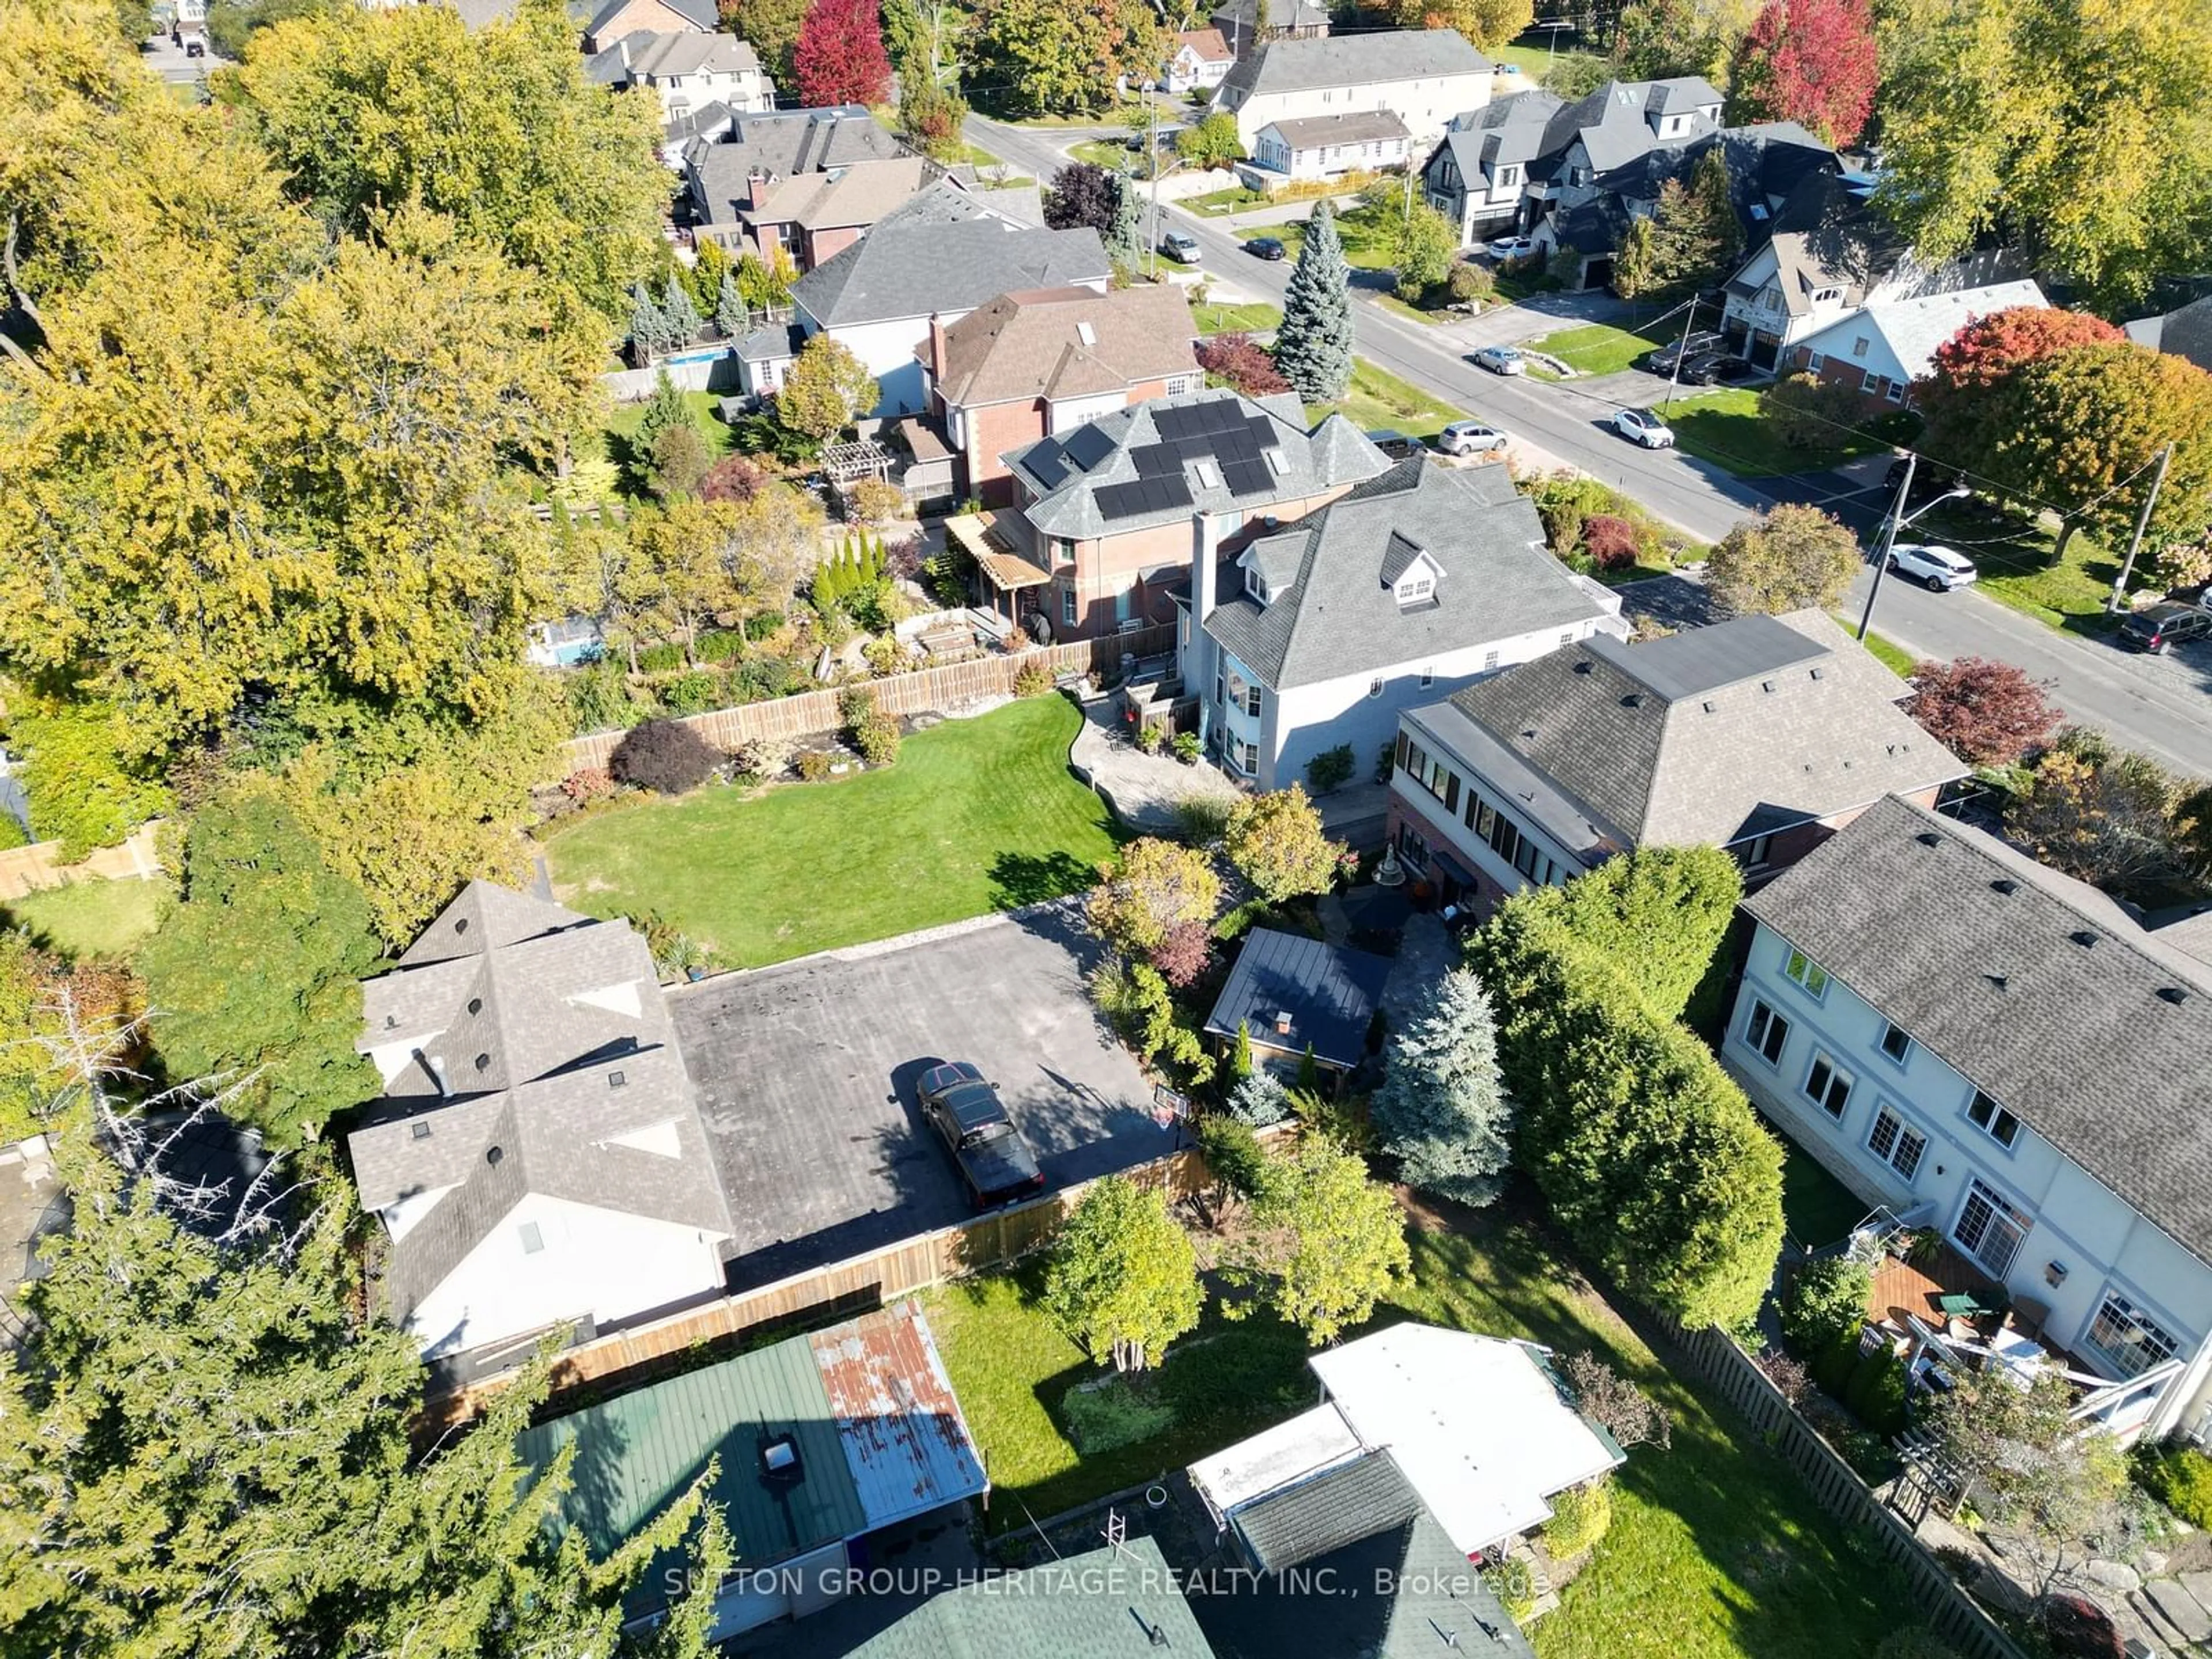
(1264, 247)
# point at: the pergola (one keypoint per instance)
(847, 463)
(1006, 572)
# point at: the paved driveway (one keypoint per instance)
(806, 1075)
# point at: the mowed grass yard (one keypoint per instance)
(1378, 399)
(91, 921)
(1597, 348)
(1727, 429)
(1716, 1550)
(977, 816)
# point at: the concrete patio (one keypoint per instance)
(1142, 790)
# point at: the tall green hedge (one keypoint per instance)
(1646, 1150)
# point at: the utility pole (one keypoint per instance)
(1681, 349)
(2119, 600)
(1888, 540)
(1153, 151)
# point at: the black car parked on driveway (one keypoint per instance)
(995, 1160)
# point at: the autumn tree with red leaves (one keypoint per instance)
(1812, 62)
(1970, 397)
(1987, 713)
(1240, 362)
(840, 57)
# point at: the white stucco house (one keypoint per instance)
(2001, 1053)
(1424, 77)
(1328, 147)
(686, 70)
(937, 256)
(1417, 582)
(537, 1159)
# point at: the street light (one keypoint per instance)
(1898, 518)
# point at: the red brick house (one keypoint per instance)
(1045, 360)
(1882, 348)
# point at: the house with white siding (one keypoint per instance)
(1327, 147)
(1423, 77)
(2000, 1054)
(1415, 583)
(537, 1159)
(1880, 350)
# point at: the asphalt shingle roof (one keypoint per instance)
(1070, 473)
(2035, 987)
(1318, 131)
(1913, 328)
(1354, 60)
(786, 142)
(1330, 993)
(1341, 615)
(1713, 734)
(1105, 1605)
(945, 250)
(1034, 344)
(1339, 1506)
(1615, 125)
(538, 1040)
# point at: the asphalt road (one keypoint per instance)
(2163, 707)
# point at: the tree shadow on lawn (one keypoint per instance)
(1021, 879)
(1791, 1583)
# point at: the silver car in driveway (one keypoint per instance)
(1470, 438)
(1501, 359)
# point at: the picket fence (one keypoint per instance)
(1835, 1486)
(625, 1358)
(925, 690)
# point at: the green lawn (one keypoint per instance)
(1715, 1549)
(1253, 317)
(1818, 1209)
(1890, 654)
(623, 424)
(2015, 556)
(91, 921)
(1598, 348)
(1368, 233)
(1532, 61)
(1107, 152)
(977, 815)
(1235, 199)
(1378, 399)
(1726, 427)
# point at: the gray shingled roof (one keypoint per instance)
(786, 142)
(945, 250)
(1615, 125)
(1354, 60)
(1339, 1506)
(2037, 987)
(701, 13)
(1713, 734)
(1341, 615)
(1313, 461)
(1330, 991)
(529, 1014)
(1318, 131)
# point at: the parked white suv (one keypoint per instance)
(1937, 568)
(1644, 427)
(1469, 438)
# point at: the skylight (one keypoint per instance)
(1087, 334)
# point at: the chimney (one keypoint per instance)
(1282, 1022)
(755, 189)
(937, 347)
(1197, 663)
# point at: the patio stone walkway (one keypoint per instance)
(1142, 790)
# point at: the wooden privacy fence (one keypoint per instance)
(1836, 1487)
(29, 869)
(859, 1282)
(787, 719)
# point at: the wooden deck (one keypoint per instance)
(1900, 1288)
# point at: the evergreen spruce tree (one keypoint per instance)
(680, 315)
(664, 411)
(1259, 1100)
(1313, 348)
(730, 313)
(1442, 1108)
(648, 327)
(1240, 1061)
(1125, 232)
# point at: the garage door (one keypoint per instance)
(748, 1602)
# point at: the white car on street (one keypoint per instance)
(1644, 427)
(1502, 360)
(1470, 438)
(1939, 569)
(1512, 247)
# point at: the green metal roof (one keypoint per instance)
(1104, 1605)
(635, 1453)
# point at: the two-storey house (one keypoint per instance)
(687, 71)
(537, 1159)
(732, 168)
(618, 18)
(1761, 736)
(929, 262)
(2001, 1053)
(1417, 581)
(1029, 365)
(1200, 61)
(1108, 513)
(1423, 77)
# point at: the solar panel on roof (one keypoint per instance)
(1157, 460)
(1154, 495)
(1248, 478)
(1087, 446)
(1046, 462)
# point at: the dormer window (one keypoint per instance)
(1256, 585)
(1418, 588)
